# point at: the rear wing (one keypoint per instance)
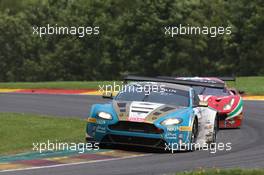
(221, 78)
(227, 78)
(173, 80)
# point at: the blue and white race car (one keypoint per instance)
(153, 112)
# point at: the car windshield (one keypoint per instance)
(210, 91)
(166, 96)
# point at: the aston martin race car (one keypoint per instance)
(228, 102)
(153, 112)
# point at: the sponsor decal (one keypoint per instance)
(185, 128)
(136, 119)
(91, 120)
(208, 126)
(171, 135)
(172, 128)
(229, 122)
(139, 111)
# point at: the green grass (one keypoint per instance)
(225, 172)
(251, 85)
(18, 132)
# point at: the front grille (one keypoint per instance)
(132, 140)
(136, 127)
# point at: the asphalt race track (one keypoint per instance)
(247, 143)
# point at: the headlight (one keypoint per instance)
(105, 115)
(229, 105)
(171, 121)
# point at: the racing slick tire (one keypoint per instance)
(214, 135)
(194, 135)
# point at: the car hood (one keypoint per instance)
(138, 111)
(218, 102)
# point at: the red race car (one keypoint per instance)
(227, 102)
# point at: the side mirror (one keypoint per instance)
(108, 95)
(203, 104)
(241, 92)
(234, 91)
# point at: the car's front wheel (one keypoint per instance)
(214, 134)
(194, 135)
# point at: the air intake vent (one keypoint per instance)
(136, 127)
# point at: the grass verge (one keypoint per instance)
(225, 172)
(20, 131)
(251, 85)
